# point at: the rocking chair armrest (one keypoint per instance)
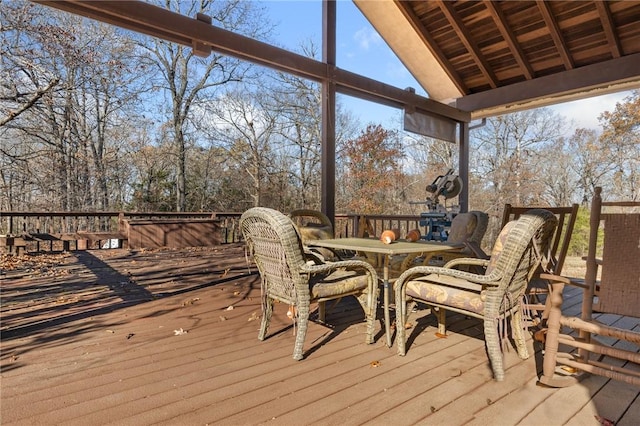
(598, 260)
(559, 279)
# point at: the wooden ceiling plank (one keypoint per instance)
(510, 38)
(466, 39)
(607, 24)
(431, 44)
(556, 35)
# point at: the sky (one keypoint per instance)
(361, 50)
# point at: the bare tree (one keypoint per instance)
(621, 136)
(505, 153)
(246, 127)
(188, 80)
(65, 137)
(592, 161)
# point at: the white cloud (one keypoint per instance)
(367, 38)
(584, 113)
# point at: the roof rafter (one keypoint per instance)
(466, 39)
(509, 37)
(554, 31)
(607, 24)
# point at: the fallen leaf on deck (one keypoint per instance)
(374, 364)
(254, 316)
(441, 336)
(190, 302)
(179, 332)
(230, 308)
(603, 421)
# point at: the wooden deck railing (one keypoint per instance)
(53, 231)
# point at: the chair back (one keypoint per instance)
(278, 253)
(312, 224)
(482, 223)
(521, 247)
(462, 227)
(561, 238)
(618, 291)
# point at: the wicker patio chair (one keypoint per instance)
(492, 297)
(600, 348)
(538, 288)
(467, 228)
(289, 276)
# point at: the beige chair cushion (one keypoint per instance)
(462, 227)
(337, 282)
(451, 293)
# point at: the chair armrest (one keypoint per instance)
(313, 256)
(472, 261)
(598, 261)
(342, 264)
(426, 270)
(576, 282)
(476, 250)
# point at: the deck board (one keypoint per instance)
(90, 339)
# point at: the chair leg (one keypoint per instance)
(267, 310)
(551, 340)
(492, 340)
(441, 315)
(368, 301)
(401, 318)
(303, 321)
(322, 311)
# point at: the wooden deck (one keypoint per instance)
(170, 337)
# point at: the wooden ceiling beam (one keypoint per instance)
(466, 39)
(608, 26)
(590, 80)
(509, 37)
(556, 35)
(162, 23)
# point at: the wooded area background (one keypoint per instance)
(95, 118)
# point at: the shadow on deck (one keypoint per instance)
(170, 336)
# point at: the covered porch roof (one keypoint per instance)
(489, 57)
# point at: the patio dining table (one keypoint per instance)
(370, 245)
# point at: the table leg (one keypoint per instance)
(386, 285)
